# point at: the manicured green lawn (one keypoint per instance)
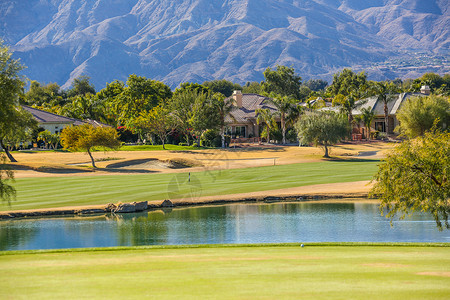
(50, 192)
(230, 272)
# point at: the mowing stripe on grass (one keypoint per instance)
(33, 193)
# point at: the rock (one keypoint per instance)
(167, 203)
(125, 208)
(110, 207)
(140, 206)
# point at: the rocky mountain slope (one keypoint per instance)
(196, 40)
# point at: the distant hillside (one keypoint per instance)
(197, 40)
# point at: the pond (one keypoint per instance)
(231, 224)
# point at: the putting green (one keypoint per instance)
(51, 192)
(230, 272)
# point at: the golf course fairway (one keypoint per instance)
(337, 271)
(52, 192)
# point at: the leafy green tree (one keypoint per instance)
(113, 109)
(81, 86)
(125, 103)
(158, 121)
(267, 117)
(252, 88)
(190, 86)
(222, 86)
(433, 80)
(418, 114)
(347, 82)
(385, 92)
(348, 88)
(181, 105)
(367, 118)
(47, 96)
(14, 121)
(316, 84)
(19, 130)
(7, 191)
(322, 129)
(204, 115)
(283, 81)
(87, 137)
(415, 177)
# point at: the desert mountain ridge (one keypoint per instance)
(196, 40)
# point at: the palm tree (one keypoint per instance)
(385, 92)
(285, 106)
(264, 115)
(367, 117)
(224, 108)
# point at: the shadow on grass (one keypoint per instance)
(257, 148)
(137, 171)
(350, 159)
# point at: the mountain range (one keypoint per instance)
(197, 40)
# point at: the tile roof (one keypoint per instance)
(250, 103)
(376, 106)
(44, 117)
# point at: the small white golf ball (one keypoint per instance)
(302, 245)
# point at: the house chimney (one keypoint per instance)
(425, 89)
(237, 96)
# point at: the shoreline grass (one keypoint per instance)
(52, 192)
(204, 246)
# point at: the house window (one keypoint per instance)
(240, 131)
(380, 126)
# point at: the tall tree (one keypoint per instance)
(322, 129)
(346, 82)
(385, 92)
(86, 137)
(222, 86)
(204, 115)
(7, 191)
(81, 86)
(283, 81)
(415, 177)
(367, 117)
(181, 105)
(224, 107)
(18, 130)
(265, 116)
(285, 105)
(158, 121)
(347, 88)
(13, 120)
(252, 88)
(316, 84)
(418, 114)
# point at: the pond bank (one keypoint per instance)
(320, 192)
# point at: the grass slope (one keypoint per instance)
(33, 193)
(238, 272)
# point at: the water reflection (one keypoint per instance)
(241, 223)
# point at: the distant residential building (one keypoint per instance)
(377, 107)
(243, 123)
(55, 123)
(425, 89)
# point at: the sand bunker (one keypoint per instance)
(154, 164)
